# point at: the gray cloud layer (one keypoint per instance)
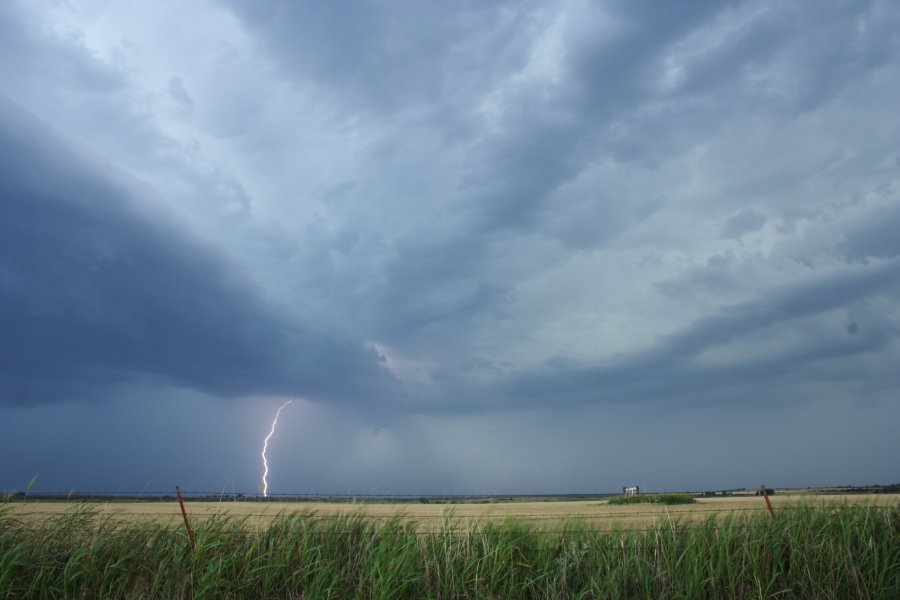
(419, 212)
(99, 287)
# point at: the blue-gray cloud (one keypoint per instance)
(436, 213)
(746, 221)
(99, 286)
(671, 367)
(874, 236)
(383, 57)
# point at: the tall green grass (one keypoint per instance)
(842, 552)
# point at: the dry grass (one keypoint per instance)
(597, 515)
(839, 550)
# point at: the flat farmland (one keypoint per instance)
(820, 546)
(594, 514)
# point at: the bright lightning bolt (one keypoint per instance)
(265, 484)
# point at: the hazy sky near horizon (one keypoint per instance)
(485, 247)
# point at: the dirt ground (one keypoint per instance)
(595, 514)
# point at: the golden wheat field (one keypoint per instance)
(596, 514)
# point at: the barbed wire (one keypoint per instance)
(408, 530)
(412, 498)
(304, 495)
(465, 524)
(679, 511)
(742, 493)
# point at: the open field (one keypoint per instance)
(596, 514)
(828, 548)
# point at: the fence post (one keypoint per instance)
(765, 494)
(187, 524)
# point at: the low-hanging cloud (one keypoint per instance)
(100, 286)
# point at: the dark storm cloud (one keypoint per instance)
(718, 274)
(746, 221)
(559, 225)
(606, 106)
(179, 95)
(97, 286)
(384, 56)
(875, 236)
(670, 368)
(545, 134)
(548, 137)
(27, 51)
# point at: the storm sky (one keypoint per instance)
(485, 247)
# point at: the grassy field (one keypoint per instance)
(597, 514)
(847, 547)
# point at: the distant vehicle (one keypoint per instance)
(631, 491)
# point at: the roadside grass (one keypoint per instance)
(807, 552)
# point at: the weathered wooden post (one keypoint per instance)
(187, 524)
(765, 494)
